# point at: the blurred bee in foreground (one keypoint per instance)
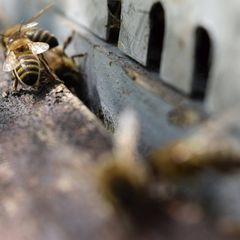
(136, 186)
(211, 146)
(122, 177)
(25, 46)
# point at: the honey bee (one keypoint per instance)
(64, 66)
(189, 156)
(30, 30)
(24, 53)
(122, 178)
(25, 60)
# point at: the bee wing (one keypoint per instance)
(38, 47)
(29, 25)
(10, 62)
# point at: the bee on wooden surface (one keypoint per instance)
(123, 178)
(25, 45)
(65, 67)
(60, 62)
(30, 30)
(25, 60)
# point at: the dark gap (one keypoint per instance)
(114, 20)
(156, 38)
(202, 63)
(74, 81)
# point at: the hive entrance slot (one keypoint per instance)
(156, 37)
(202, 63)
(114, 20)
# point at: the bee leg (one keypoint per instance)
(68, 40)
(66, 43)
(15, 83)
(36, 85)
(80, 55)
(52, 75)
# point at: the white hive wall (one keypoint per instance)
(182, 18)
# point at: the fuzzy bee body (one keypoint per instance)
(25, 45)
(34, 34)
(29, 30)
(65, 67)
(26, 61)
(41, 35)
(28, 69)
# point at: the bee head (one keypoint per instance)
(18, 45)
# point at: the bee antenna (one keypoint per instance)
(20, 27)
(32, 19)
(2, 37)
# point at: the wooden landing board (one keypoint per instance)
(48, 140)
(49, 146)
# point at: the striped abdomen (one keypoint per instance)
(40, 35)
(28, 69)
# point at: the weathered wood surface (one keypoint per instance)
(49, 146)
(47, 141)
